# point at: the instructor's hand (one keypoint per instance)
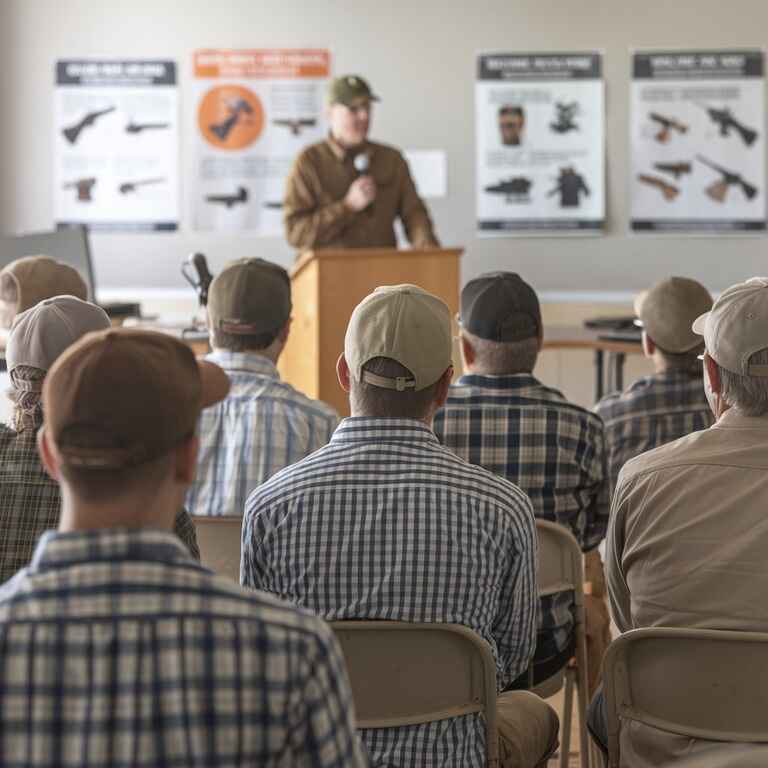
(361, 193)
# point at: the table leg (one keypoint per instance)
(618, 370)
(599, 383)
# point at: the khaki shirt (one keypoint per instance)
(315, 214)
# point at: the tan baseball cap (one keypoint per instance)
(121, 397)
(348, 89)
(40, 334)
(403, 323)
(737, 326)
(41, 277)
(250, 296)
(667, 310)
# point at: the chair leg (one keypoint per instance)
(565, 730)
(585, 743)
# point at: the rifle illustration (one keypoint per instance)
(295, 126)
(236, 108)
(72, 134)
(674, 169)
(133, 127)
(229, 201)
(670, 191)
(130, 186)
(726, 121)
(719, 189)
(667, 124)
(83, 187)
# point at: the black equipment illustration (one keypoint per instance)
(130, 186)
(515, 190)
(564, 118)
(229, 201)
(296, 126)
(236, 108)
(569, 185)
(72, 134)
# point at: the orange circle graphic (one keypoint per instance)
(230, 117)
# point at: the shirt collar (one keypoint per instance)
(732, 419)
(510, 381)
(364, 429)
(243, 362)
(58, 549)
(342, 153)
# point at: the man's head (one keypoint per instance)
(511, 125)
(38, 336)
(735, 335)
(249, 307)
(120, 412)
(501, 328)
(349, 110)
(25, 282)
(397, 354)
(666, 313)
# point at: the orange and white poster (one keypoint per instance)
(255, 110)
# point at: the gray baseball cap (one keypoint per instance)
(737, 326)
(405, 324)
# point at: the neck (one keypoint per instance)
(426, 419)
(478, 370)
(346, 147)
(270, 353)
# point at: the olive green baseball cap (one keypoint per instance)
(250, 296)
(403, 323)
(348, 88)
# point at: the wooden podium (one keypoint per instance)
(328, 284)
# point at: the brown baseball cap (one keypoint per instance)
(41, 277)
(348, 89)
(250, 296)
(405, 324)
(667, 311)
(500, 307)
(120, 397)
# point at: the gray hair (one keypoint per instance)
(499, 358)
(26, 393)
(746, 394)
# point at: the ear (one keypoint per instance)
(467, 351)
(342, 372)
(283, 335)
(186, 460)
(713, 375)
(649, 345)
(442, 389)
(48, 454)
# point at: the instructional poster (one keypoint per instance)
(116, 147)
(540, 143)
(698, 141)
(255, 111)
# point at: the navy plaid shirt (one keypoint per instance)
(553, 450)
(117, 649)
(652, 411)
(384, 523)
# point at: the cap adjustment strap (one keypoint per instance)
(400, 383)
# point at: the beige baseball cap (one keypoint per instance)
(40, 334)
(403, 323)
(668, 309)
(737, 326)
(40, 277)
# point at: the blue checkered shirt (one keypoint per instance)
(384, 523)
(652, 411)
(117, 649)
(262, 426)
(554, 450)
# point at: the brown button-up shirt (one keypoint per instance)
(315, 214)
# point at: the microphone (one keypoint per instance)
(362, 164)
(204, 277)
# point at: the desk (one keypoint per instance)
(607, 379)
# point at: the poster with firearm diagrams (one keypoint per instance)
(116, 145)
(698, 141)
(255, 110)
(539, 137)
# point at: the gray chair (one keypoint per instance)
(405, 673)
(219, 542)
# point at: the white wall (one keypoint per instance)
(419, 54)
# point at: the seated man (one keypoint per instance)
(264, 424)
(687, 538)
(385, 524)
(670, 403)
(499, 416)
(118, 648)
(30, 501)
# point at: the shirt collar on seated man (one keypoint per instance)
(243, 362)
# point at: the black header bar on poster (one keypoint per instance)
(697, 225)
(698, 65)
(113, 72)
(531, 225)
(539, 66)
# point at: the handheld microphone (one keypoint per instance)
(362, 164)
(204, 277)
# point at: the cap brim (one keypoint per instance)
(699, 322)
(638, 303)
(215, 383)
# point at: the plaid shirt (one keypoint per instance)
(554, 450)
(117, 649)
(384, 523)
(652, 411)
(261, 427)
(30, 503)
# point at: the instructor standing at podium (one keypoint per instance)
(346, 191)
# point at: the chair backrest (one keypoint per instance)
(700, 683)
(406, 673)
(561, 564)
(219, 542)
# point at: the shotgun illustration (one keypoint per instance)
(229, 201)
(236, 109)
(674, 169)
(130, 186)
(726, 122)
(719, 189)
(133, 127)
(83, 187)
(669, 191)
(72, 134)
(295, 126)
(667, 125)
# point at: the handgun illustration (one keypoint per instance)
(229, 200)
(72, 134)
(726, 122)
(295, 126)
(719, 189)
(134, 127)
(83, 187)
(130, 186)
(667, 125)
(674, 169)
(236, 108)
(670, 191)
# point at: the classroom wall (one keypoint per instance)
(419, 54)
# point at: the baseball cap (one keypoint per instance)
(668, 309)
(737, 326)
(345, 89)
(121, 397)
(250, 296)
(40, 277)
(500, 307)
(403, 323)
(40, 334)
